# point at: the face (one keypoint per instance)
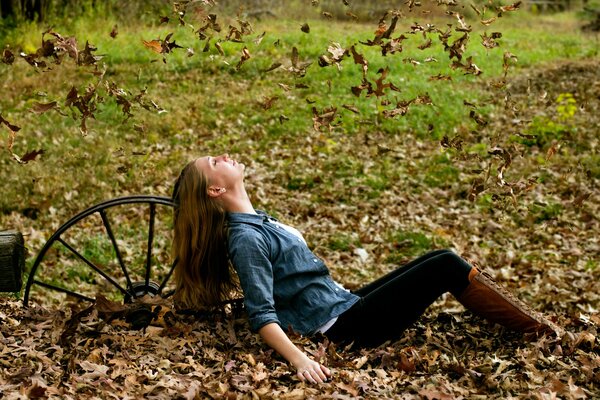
(221, 171)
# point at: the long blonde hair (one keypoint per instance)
(204, 275)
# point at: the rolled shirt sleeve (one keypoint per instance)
(250, 258)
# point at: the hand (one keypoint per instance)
(312, 371)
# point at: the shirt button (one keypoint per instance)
(315, 260)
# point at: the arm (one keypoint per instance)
(250, 256)
(307, 369)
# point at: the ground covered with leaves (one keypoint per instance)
(511, 184)
(449, 353)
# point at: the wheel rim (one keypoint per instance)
(128, 281)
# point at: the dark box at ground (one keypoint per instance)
(12, 261)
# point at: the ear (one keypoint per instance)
(215, 191)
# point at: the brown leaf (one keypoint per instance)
(273, 66)
(219, 48)
(259, 38)
(581, 198)
(551, 151)
(267, 102)
(245, 57)
(489, 42)
(86, 57)
(488, 22)
(352, 15)
(440, 77)
(305, 28)
(70, 327)
(425, 45)
(510, 7)
(40, 108)
(114, 32)
(360, 60)
(36, 392)
(153, 45)
(31, 156)
(11, 127)
(478, 118)
(324, 119)
(8, 57)
(352, 108)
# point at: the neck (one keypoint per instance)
(236, 200)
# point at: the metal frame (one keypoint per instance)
(128, 292)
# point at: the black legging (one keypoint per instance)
(393, 302)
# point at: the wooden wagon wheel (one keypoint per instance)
(62, 267)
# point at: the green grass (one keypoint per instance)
(408, 244)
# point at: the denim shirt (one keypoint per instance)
(282, 280)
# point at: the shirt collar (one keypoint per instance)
(245, 218)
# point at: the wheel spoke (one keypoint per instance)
(164, 282)
(93, 266)
(63, 290)
(150, 240)
(115, 246)
(125, 286)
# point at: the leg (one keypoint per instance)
(406, 294)
(363, 291)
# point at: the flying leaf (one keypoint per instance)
(425, 45)
(40, 108)
(506, 60)
(440, 77)
(31, 156)
(298, 68)
(478, 118)
(489, 42)
(352, 15)
(352, 108)
(305, 28)
(510, 7)
(8, 57)
(360, 60)
(245, 57)
(272, 67)
(324, 119)
(267, 102)
(153, 45)
(259, 38)
(13, 128)
(219, 47)
(114, 32)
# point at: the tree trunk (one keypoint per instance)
(6, 8)
(12, 260)
(34, 9)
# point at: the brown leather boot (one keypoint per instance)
(491, 301)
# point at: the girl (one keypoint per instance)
(287, 287)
